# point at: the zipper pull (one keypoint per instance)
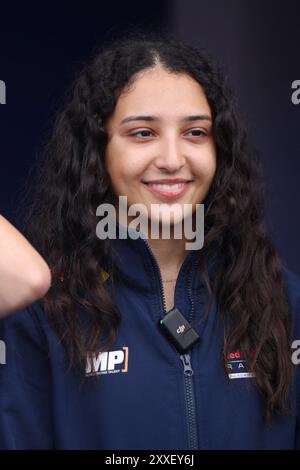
(186, 360)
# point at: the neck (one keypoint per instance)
(169, 254)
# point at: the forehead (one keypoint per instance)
(159, 92)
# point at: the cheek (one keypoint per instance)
(123, 168)
(205, 165)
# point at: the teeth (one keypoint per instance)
(167, 186)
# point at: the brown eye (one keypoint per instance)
(199, 133)
(135, 134)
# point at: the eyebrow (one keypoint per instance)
(197, 117)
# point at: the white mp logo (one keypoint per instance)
(2, 352)
(108, 362)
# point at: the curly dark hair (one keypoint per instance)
(248, 282)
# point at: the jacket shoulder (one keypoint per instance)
(24, 326)
(292, 281)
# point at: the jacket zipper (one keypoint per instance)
(189, 383)
(186, 360)
(190, 401)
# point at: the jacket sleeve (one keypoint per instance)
(25, 386)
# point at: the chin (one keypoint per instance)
(166, 223)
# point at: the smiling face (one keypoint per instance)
(160, 147)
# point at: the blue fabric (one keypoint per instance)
(140, 398)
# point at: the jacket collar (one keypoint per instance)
(136, 264)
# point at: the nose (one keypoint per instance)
(170, 156)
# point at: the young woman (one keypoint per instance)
(91, 366)
(24, 275)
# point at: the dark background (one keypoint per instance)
(256, 42)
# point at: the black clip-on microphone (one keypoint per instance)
(178, 330)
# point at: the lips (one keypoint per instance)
(169, 189)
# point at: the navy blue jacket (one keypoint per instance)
(146, 394)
